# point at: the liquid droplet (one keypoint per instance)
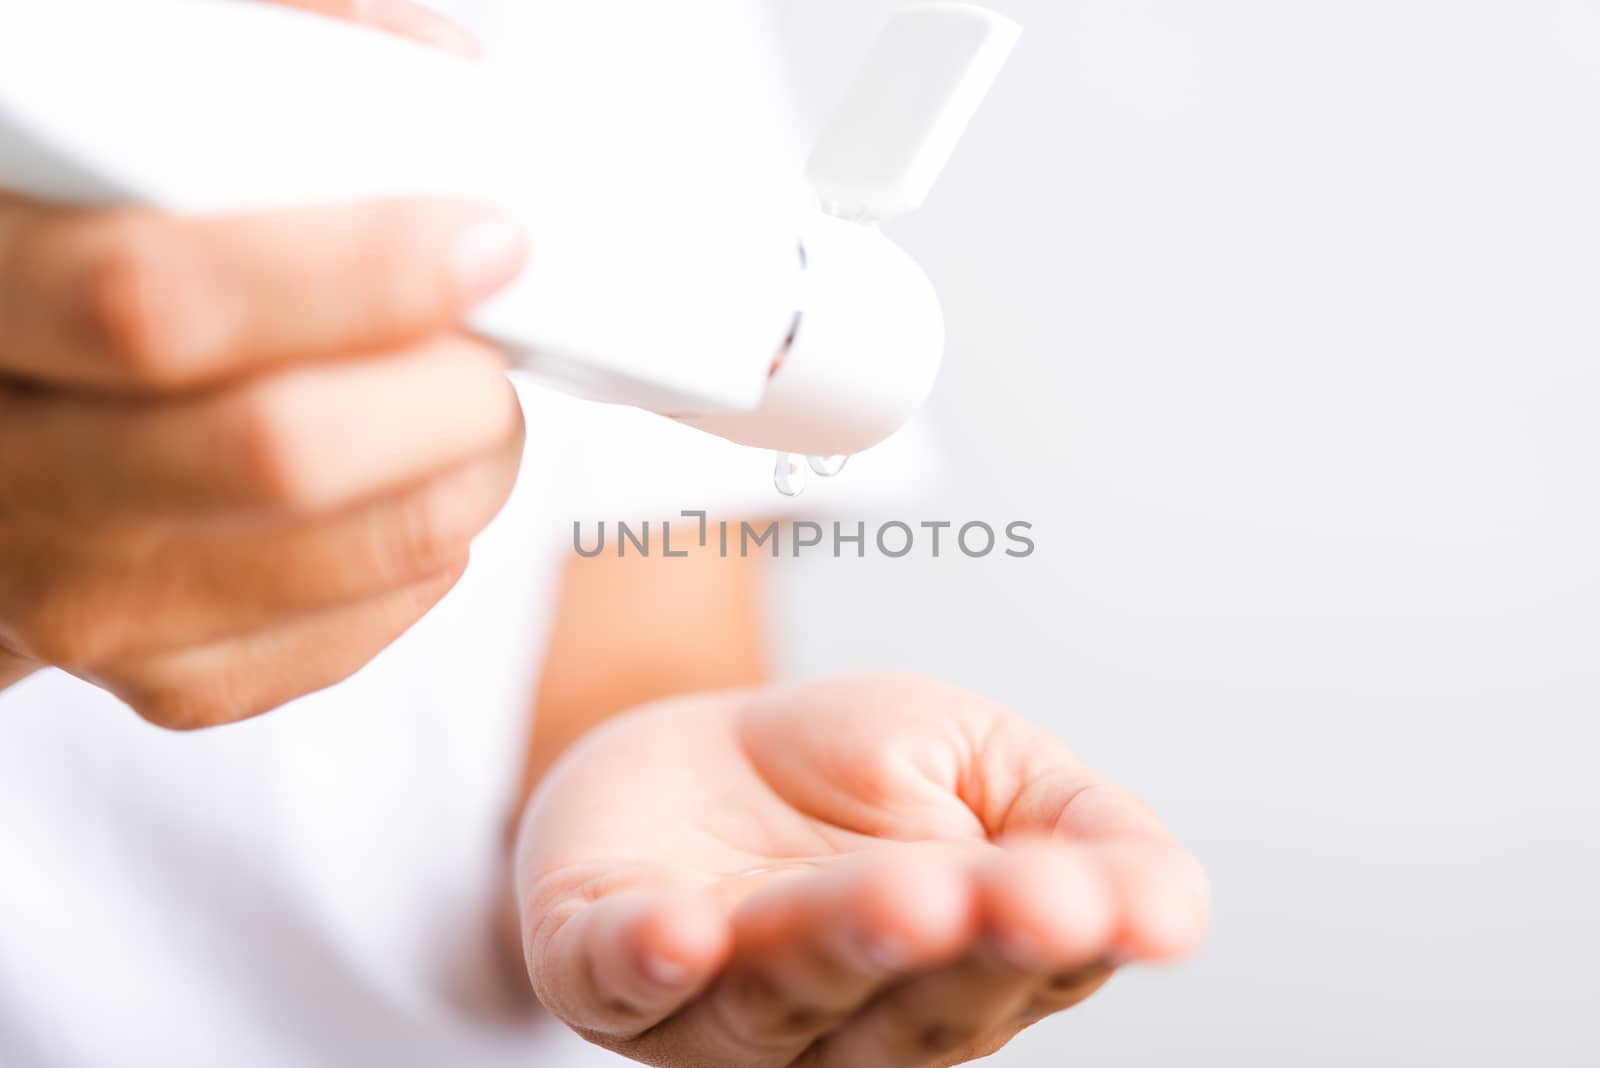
(790, 477)
(828, 466)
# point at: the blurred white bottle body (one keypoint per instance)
(665, 248)
(680, 262)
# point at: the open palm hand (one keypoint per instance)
(875, 871)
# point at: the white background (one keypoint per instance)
(1281, 320)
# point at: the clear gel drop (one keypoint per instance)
(828, 466)
(790, 477)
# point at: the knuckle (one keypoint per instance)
(1072, 984)
(938, 1038)
(745, 1011)
(916, 1039)
(426, 536)
(760, 1015)
(754, 998)
(804, 1021)
(1065, 991)
(136, 302)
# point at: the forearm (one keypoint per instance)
(569, 709)
(630, 632)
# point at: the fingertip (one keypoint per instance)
(1159, 932)
(682, 940)
(915, 910)
(622, 964)
(1047, 906)
(1167, 911)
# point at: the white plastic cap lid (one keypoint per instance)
(865, 354)
(870, 337)
(896, 129)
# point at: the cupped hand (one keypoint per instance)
(240, 456)
(869, 872)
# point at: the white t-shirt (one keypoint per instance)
(318, 887)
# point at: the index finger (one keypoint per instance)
(136, 300)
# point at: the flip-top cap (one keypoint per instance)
(897, 127)
(865, 354)
(870, 336)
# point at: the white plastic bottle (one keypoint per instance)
(675, 267)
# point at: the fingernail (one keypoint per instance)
(488, 255)
(665, 972)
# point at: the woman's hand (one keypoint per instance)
(240, 456)
(871, 872)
